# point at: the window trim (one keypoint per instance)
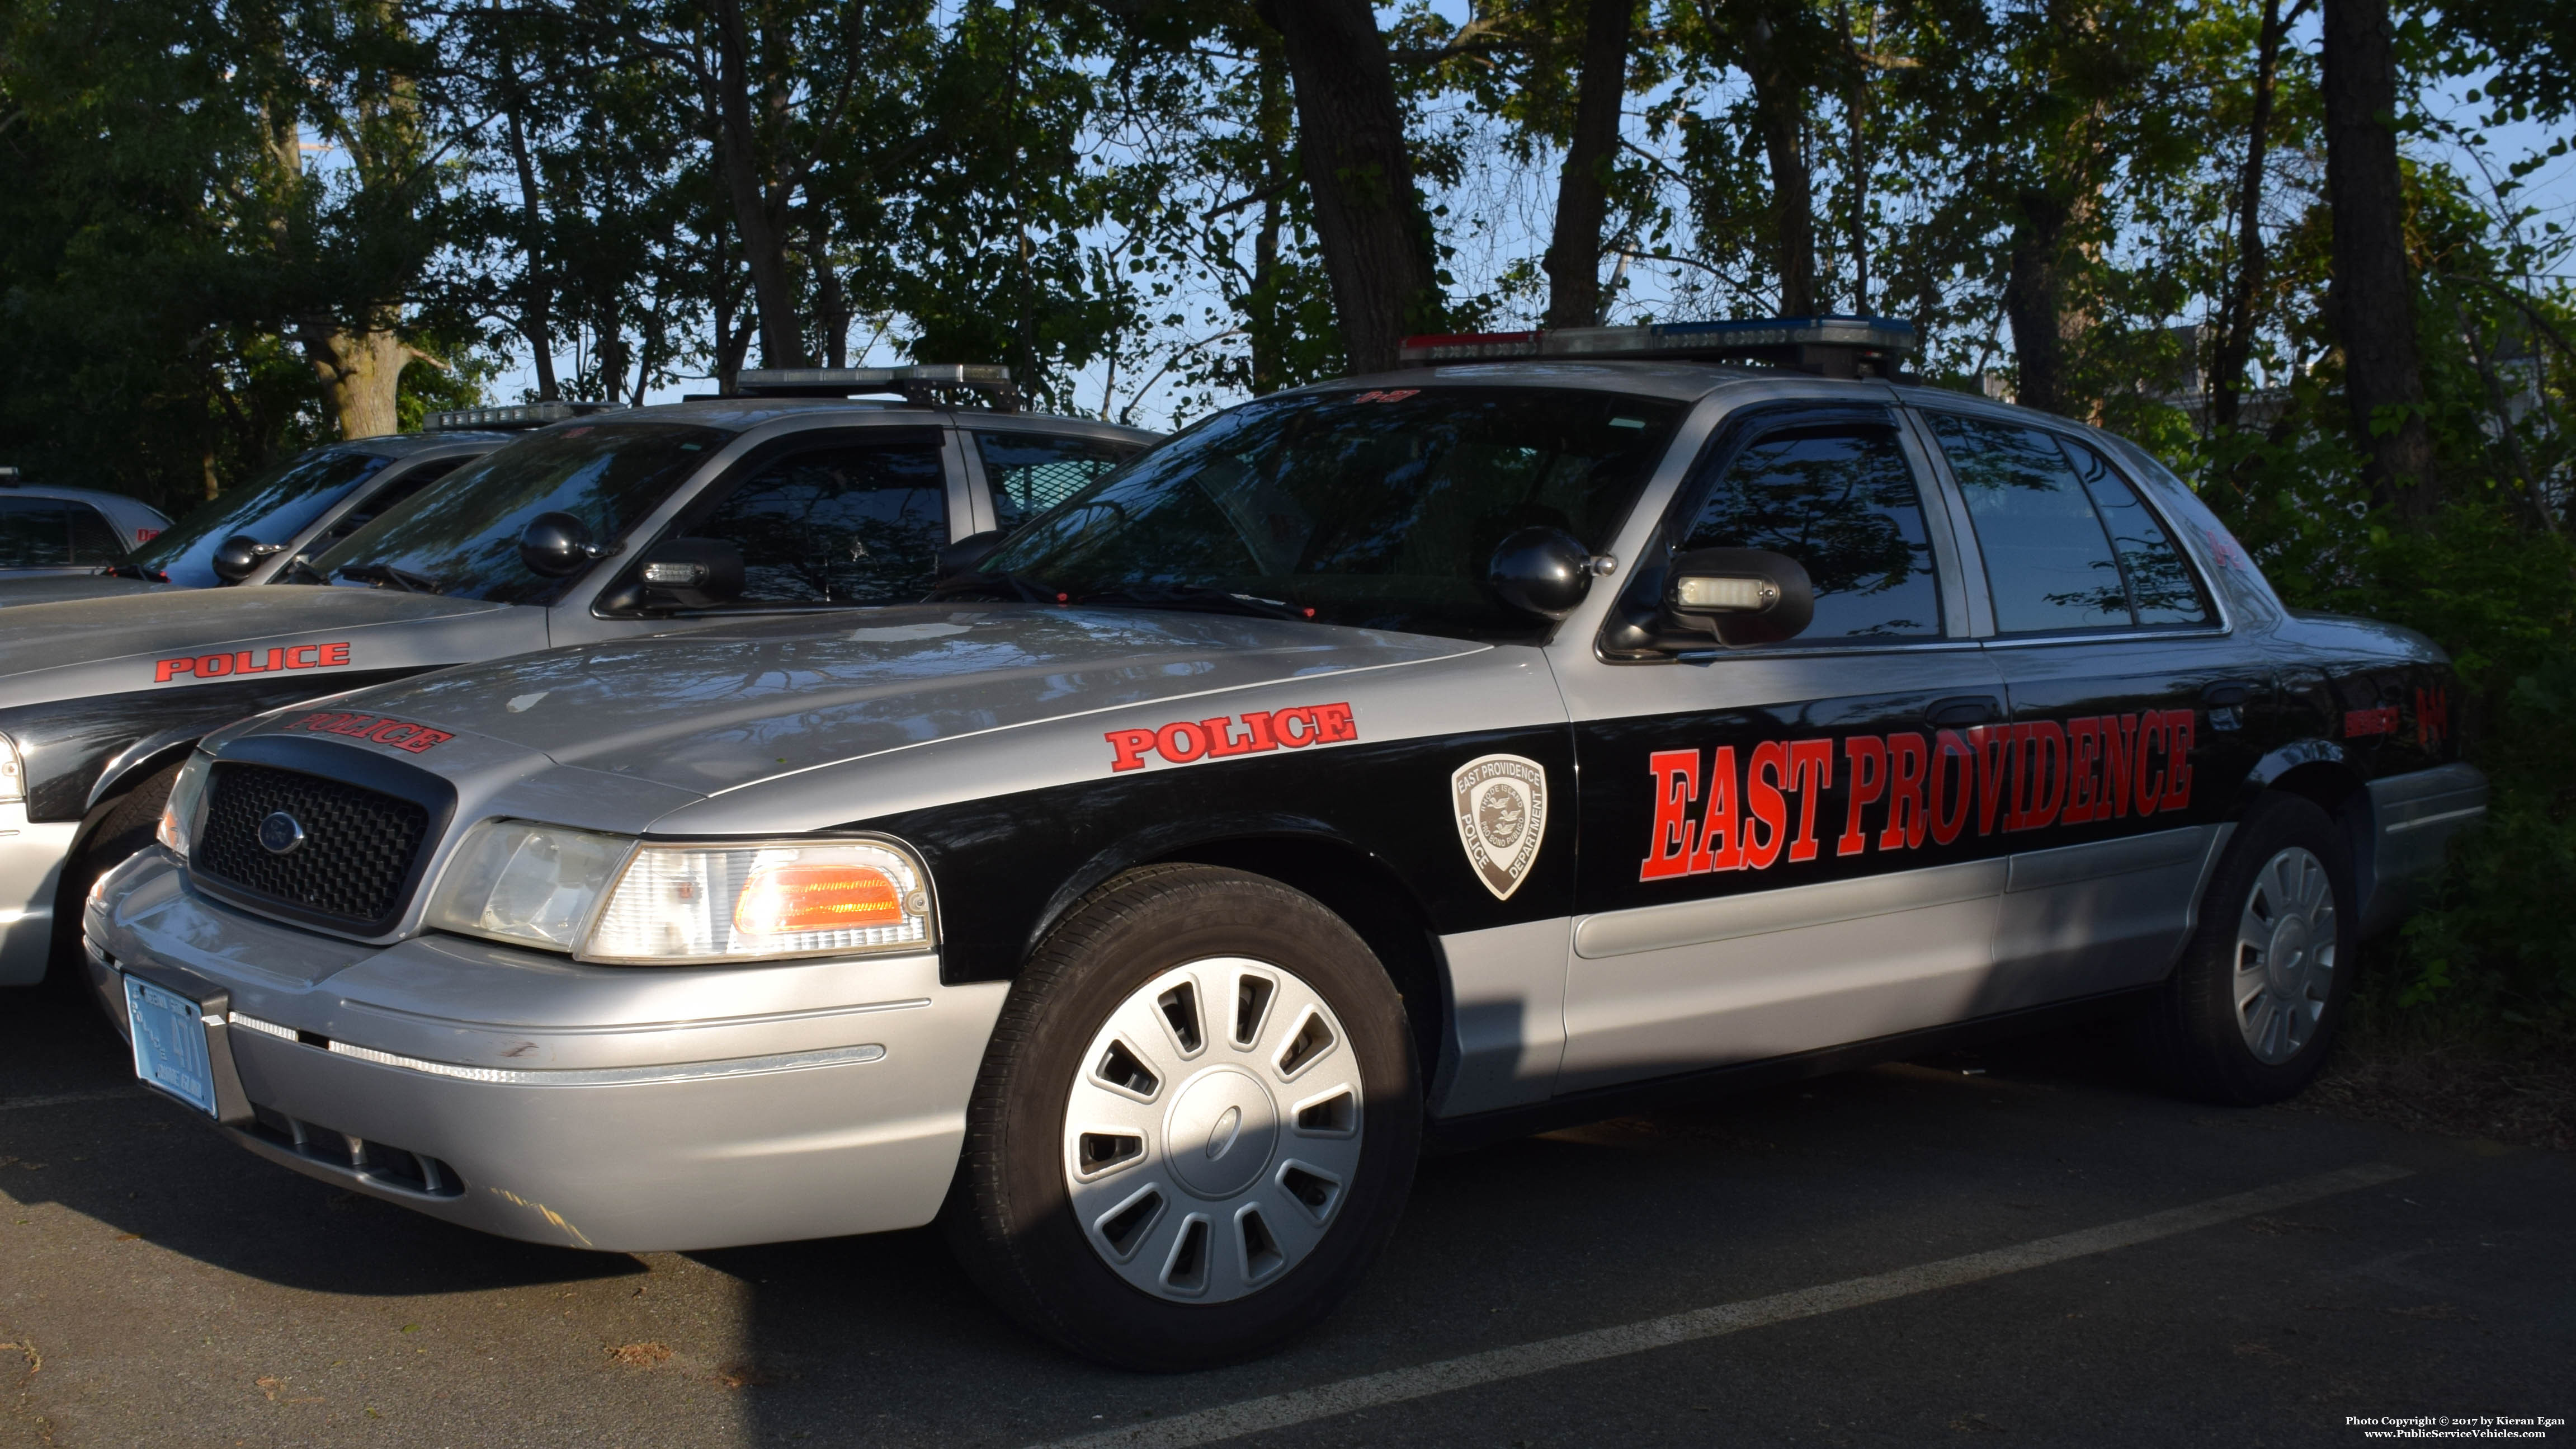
(1738, 430)
(1971, 548)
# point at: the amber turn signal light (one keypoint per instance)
(780, 899)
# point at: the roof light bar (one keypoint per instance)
(513, 418)
(917, 383)
(1830, 346)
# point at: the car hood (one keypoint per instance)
(54, 588)
(718, 708)
(106, 646)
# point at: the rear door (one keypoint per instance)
(1773, 858)
(2134, 711)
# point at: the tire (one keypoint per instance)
(123, 825)
(1246, 1028)
(2251, 1011)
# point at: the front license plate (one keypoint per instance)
(170, 1044)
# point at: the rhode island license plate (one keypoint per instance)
(170, 1044)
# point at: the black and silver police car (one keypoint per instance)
(1451, 751)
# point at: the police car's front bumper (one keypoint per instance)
(603, 1107)
(31, 867)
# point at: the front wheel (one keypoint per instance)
(1196, 1125)
(2252, 1009)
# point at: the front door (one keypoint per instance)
(1774, 847)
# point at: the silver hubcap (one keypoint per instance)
(1212, 1130)
(2285, 955)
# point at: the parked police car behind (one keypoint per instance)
(250, 533)
(595, 529)
(1467, 747)
(48, 531)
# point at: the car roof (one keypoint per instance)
(745, 413)
(1681, 381)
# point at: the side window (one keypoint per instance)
(2161, 587)
(853, 523)
(1839, 497)
(94, 540)
(1033, 472)
(34, 534)
(2047, 517)
(384, 498)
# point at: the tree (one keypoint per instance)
(1369, 221)
(2373, 299)
(1583, 181)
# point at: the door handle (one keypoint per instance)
(2227, 692)
(1963, 710)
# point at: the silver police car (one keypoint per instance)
(1455, 751)
(792, 497)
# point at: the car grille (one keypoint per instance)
(358, 847)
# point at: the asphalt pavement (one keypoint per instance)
(2024, 1246)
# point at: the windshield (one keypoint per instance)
(273, 507)
(462, 537)
(1378, 509)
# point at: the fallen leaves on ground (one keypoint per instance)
(640, 1355)
(35, 1360)
(2527, 1101)
(275, 1386)
(744, 1376)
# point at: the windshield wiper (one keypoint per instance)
(1203, 597)
(304, 566)
(387, 576)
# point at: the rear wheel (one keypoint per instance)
(2252, 1009)
(1196, 1125)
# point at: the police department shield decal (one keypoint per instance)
(1501, 803)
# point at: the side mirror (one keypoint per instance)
(1545, 571)
(694, 573)
(557, 546)
(239, 556)
(962, 556)
(1741, 595)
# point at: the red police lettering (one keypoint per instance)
(1910, 787)
(1868, 756)
(1668, 850)
(375, 729)
(1224, 736)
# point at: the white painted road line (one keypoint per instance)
(1325, 1401)
(66, 1099)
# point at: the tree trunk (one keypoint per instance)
(773, 287)
(1583, 184)
(362, 374)
(2373, 305)
(2236, 327)
(1369, 221)
(1263, 316)
(1780, 106)
(2035, 301)
(535, 321)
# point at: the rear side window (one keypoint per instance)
(94, 542)
(1840, 498)
(2067, 543)
(1032, 472)
(857, 523)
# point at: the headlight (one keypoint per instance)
(679, 903)
(514, 881)
(606, 898)
(186, 803)
(13, 772)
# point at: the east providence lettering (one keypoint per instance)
(1904, 788)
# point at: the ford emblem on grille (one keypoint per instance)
(280, 833)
